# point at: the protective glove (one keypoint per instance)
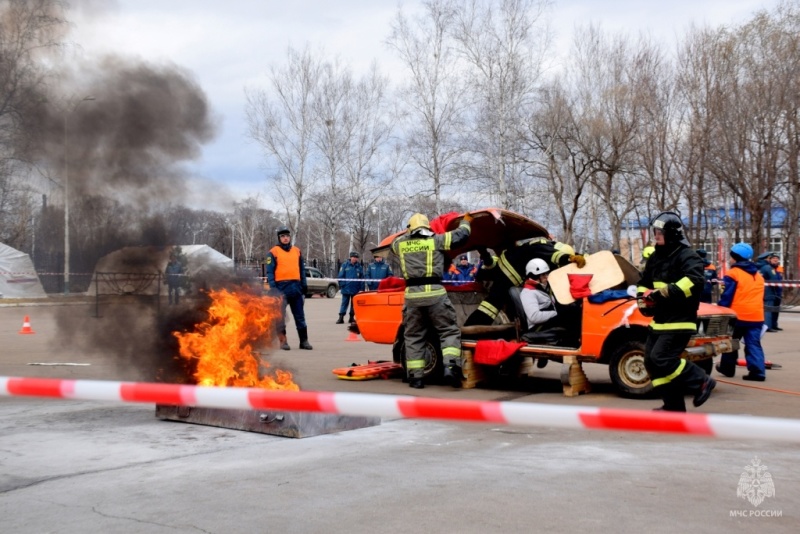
(578, 260)
(660, 293)
(646, 303)
(467, 217)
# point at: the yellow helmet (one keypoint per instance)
(418, 221)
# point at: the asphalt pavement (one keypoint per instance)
(80, 466)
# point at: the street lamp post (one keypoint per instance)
(66, 193)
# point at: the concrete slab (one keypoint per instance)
(76, 466)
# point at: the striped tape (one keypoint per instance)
(365, 404)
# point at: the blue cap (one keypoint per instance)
(742, 250)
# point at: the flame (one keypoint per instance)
(222, 346)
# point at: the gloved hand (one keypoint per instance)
(467, 217)
(660, 293)
(578, 260)
(646, 303)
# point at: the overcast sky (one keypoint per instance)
(228, 45)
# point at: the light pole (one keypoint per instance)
(378, 226)
(67, 113)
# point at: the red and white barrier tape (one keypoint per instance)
(364, 404)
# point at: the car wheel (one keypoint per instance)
(433, 356)
(331, 291)
(628, 373)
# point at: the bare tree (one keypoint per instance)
(281, 120)
(503, 44)
(29, 30)
(433, 98)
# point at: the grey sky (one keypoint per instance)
(229, 45)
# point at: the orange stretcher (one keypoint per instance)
(369, 371)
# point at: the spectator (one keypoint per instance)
(744, 294)
(351, 282)
(710, 276)
(462, 273)
(779, 294)
(767, 265)
(377, 271)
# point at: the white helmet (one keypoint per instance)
(536, 267)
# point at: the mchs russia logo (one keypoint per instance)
(755, 483)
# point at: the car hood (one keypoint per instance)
(493, 228)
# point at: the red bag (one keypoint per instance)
(495, 351)
(579, 285)
(440, 223)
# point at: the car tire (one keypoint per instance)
(627, 371)
(331, 291)
(433, 356)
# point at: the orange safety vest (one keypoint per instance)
(287, 263)
(748, 299)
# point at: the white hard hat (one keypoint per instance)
(537, 266)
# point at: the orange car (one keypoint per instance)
(602, 334)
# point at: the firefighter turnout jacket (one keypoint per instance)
(422, 262)
(680, 270)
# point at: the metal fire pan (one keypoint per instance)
(286, 424)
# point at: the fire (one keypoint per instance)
(223, 345)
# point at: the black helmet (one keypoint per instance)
(671, 226)
(283, 230)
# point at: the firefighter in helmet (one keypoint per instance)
(286, 273)
(508, 270)
(422, 256)
(669, 292)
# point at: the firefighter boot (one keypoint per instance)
(416, 383)
(341, 319)
(282, 339)
(304, 344)
(452, 375)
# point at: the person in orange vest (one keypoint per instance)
(286, 274)
(744, 294)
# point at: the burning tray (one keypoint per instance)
(286, 424)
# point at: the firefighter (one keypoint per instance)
(422, 262)
(286, 273)
(710, 276)
(508, 271)
(669, 292)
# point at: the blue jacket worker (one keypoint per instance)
(286, 273)
(463, 272)
(377, 271)
(768, 267)
(351, 282)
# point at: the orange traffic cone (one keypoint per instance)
(26, 326)
(353, 336)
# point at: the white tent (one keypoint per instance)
(18, 278)
(138, 270)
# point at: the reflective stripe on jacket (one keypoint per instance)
(422, 259)
(681, 270)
